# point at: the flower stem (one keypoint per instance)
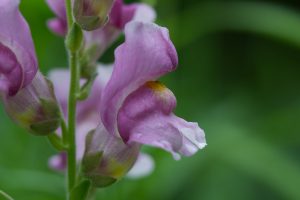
(71, 140)
(72, 121)
(69, 13)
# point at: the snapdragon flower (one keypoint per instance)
(135, 108)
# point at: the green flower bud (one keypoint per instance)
(35, 107)
(92, 14)
(74, 38)
(106, 158)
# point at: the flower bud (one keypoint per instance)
(34, 107)
(107, 158)
(74, 38)
(92, 14)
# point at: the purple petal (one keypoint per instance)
(146, 55)
(121, 14)
(18, 62)
(146, 117)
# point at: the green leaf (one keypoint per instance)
(56, 142)
(80, 191)
(86, 88)
(32, 181)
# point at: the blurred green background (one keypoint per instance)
(238, 77)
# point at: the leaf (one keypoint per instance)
(56, 142)
(32, 181)
(85, 90)
(4, 196)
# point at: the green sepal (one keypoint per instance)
(100, 181)
(50, 108)
(90, 160)
(90, 23)
(45, 127)
(51, 114)
(80, 191)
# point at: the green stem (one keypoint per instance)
(72, 120)
(69, 13)
(74, 71)
(64, 130)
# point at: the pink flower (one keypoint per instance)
(137, 108)
(18, 62)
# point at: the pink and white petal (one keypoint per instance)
(143, 167)
(144, 13)
(146, 55)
